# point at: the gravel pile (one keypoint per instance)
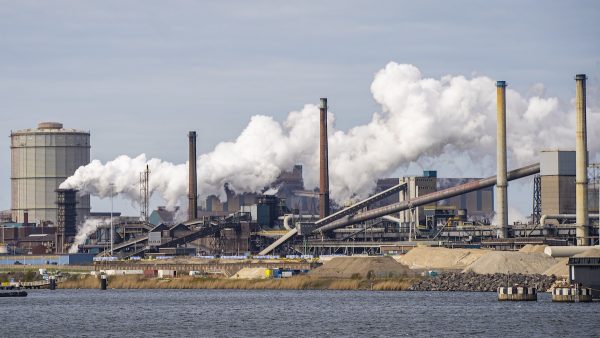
(250, 273)
(560, 269)
(531, 248)
(457, 281)
(440, 258)
(348, 267)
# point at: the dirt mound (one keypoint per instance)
(250, 273)
(349, 267)
(531, 248)
(440, 258)
(509, 262)
(560, 269)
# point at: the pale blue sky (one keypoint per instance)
(140, 74)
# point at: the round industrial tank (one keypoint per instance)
(41, 159)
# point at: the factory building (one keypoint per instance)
(417, 186)
(557, 174)
(41, 159)
(289, 187)
(479, 204)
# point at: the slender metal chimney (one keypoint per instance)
(323, 154)
(581, 163)
(193, 179)
(501, 181)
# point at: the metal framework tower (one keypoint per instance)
(536, 213)
(144, 196)
(66, 216)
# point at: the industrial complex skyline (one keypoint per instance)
(139, 78)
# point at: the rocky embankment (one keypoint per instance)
(469, 281)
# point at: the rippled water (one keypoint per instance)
(226, 313)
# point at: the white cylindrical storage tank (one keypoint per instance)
(41, 159)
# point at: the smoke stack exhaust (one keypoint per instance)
(501, 181)
(324, 166)
(193, 179)
(581, 155)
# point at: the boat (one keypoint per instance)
(13, 294)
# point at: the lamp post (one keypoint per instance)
(596, 167)
(112, 240)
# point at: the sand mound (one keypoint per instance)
(440, 258)
(560, 269)
(511, 262)
(347, 267)
(531, 248)
(250, 273)
(595, 252)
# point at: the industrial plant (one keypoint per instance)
(289, 218)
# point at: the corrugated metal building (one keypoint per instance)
(77, 259)
(41, 159)
(557, 171)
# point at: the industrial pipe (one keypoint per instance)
(362, 204)
(404, 205)
(567, 251)
(543, 218)
(287, 218)
(427, 199)
(193, 179)
(581, 163)
(501, 182)
(280, 241)
(338, 215)
(324, 166)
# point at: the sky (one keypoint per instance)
(140, 74)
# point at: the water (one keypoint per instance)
(228, 313)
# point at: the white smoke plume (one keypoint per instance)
(433, 122)
(83, 232)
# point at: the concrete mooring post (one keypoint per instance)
(52, 280)
(103, 282)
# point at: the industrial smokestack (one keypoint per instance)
(324, 167)
(581, 155)
(193, 179)
(501, 182)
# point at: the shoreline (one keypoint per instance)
(292, 283)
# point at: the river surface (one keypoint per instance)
(273, 313)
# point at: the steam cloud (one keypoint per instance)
(425, 121)
(83, 232)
